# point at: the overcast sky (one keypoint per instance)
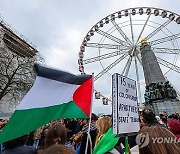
(58, 27)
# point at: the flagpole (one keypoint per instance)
(88, 133)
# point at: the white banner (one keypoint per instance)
(124, 105)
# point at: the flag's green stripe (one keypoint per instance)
(25, 121)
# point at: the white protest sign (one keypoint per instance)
(124, 105)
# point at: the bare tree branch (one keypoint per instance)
(16, 74)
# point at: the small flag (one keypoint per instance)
(54, 95)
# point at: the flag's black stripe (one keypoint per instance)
(60, 75)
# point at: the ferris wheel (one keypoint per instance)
(112, 45)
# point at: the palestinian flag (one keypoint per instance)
(54, 95)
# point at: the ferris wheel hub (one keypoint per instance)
(134, 50)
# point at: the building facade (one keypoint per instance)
(17, 58)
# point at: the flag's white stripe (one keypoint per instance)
(46, 92)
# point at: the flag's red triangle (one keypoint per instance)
(83, 96)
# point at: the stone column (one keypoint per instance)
(152, 71)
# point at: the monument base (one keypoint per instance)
(168, 105)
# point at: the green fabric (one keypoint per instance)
(126, 146)
(107, 143)
(25, 121)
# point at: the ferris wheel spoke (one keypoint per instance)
(113, 38)
(168, 64)
(138, 83)
(110, 66)
(106, 46)
(143, 29)
(105, 56)
(157, 29)
(127, 66)
(166, 50)
(121, 32)
(164, 39)
(131, 28)
(139, 58)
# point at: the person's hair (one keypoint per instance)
(78, 137)
(149, 117)
(161, 115)
(56, 134)
(103, 124)
(94, 117)
(164, 120)
(159, 148)
(175, 116)
(170, 117)
(58, 149)
(142, 121)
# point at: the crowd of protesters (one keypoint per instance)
(70, 136)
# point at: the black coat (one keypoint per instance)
(21, 150)
(93, 135)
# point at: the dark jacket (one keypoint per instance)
(24, 149)
(93, 134)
